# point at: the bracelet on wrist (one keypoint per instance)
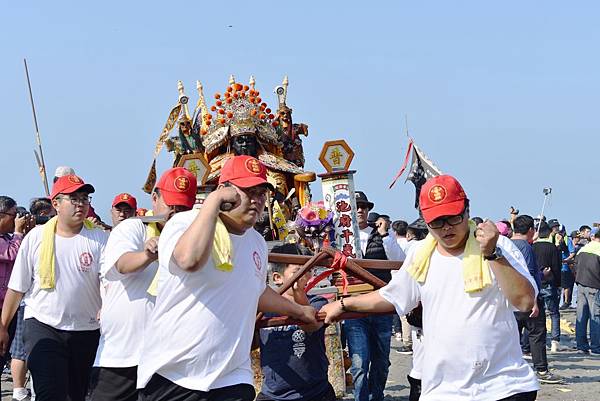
(343, 306)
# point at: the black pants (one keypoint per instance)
(415, 388)
(115, 384)
(528, 396)
(161, 389)
(327, 395)
(536, 326)
(11, 334)
(60, 361)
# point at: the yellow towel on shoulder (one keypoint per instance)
(152, 230)
(222, 252)
(47, 258)
(476, 271)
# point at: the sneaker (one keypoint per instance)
(564, 306)
(27, 397)
(527, 355)
(583, 352)
(556, 347)
(405, 350)
(546, 377)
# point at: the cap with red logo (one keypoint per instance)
(441, 196)
(244, 172)
(125, 198)
(68, 184)
(178, 187)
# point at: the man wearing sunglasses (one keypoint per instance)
(213, 270)
(469, 280)
(130, 266)
(57, 273)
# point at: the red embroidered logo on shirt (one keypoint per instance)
(85, 260)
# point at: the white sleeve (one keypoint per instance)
(392, 249)
(21, 277)
(402, 291)
(265, 263)
(169, 237)
(128, 236)
(516, 260)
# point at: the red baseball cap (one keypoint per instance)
(178, 187)
(68, 184)
(244, 172)
(441, 196)
(125, 198)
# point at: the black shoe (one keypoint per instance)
(546, 377)
(405, 350)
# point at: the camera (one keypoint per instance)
(39, 220)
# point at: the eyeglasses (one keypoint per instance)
(451, 220)
(84, 200)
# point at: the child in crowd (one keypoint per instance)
(293, 359)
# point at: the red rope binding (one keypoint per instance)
(338, 264)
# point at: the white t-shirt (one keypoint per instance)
(126, 304)
(75, 301)
(200, 332)
(392, 249)
(471, 346)
(402, 242)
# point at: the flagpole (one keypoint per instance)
(40, 156)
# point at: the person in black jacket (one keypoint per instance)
(548, 258)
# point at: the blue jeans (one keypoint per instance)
(551, 297)
(588, 309)
(369, 346)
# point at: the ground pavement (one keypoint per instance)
(581, 374)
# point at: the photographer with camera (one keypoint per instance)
(42, 210)
(12, 230)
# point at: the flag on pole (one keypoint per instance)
(421, 169)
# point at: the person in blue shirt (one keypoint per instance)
(292, 358)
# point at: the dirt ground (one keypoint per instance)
(581, 374)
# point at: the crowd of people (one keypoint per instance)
(161, 304)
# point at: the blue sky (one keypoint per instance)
(504, 96)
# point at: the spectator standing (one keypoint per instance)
(534, 321)
(549, 261)
(400, 227)
(12, 230)
(369, 338)
(588, 296)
